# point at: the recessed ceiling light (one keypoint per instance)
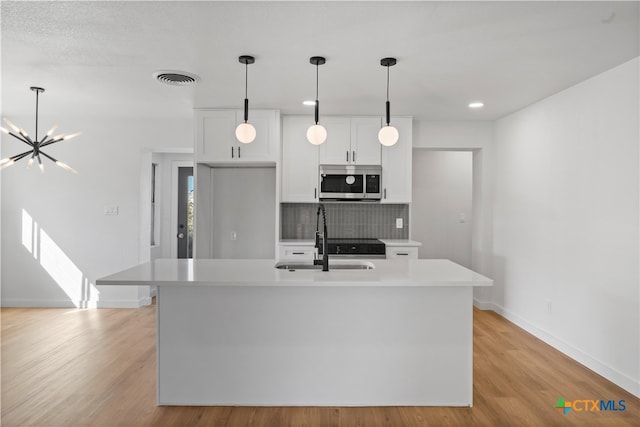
(476, 104)
(309, 103)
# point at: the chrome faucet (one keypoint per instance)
(325, 240)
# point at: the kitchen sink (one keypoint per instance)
(335, 265)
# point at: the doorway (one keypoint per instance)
(184, 208)
(441, 212)
(242, 216)
(159, 201)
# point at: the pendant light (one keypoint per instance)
(388, 135)
(36, 146)
(245, 132)
(317, 134)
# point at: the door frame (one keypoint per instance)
(175, 165)
(144, 222)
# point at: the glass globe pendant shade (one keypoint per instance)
(316, 134)
(388, 135)
(246, 133)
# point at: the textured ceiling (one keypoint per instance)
(98, 57)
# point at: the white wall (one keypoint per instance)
(244, 203)
(566, 222)
(441, 208)
(56, 240)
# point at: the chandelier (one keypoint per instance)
(35, 146)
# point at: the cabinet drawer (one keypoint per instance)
(300, 253)
(402, 252)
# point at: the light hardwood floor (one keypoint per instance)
(63, 367)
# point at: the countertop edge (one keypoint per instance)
(261, 273)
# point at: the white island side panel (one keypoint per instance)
(327, 346)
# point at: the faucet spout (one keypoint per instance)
(325, 239)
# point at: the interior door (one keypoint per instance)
(185, 212)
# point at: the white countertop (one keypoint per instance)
(297, 242)
(400, 242)
(388, 242)
(260, 272)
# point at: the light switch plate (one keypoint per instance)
(111, 210)
(398, 222)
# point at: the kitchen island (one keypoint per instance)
(241, 332)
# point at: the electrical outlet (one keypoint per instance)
(398, 222)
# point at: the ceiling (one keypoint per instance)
(97, 58)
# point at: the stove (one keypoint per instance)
(355, 248)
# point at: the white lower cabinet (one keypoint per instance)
(410, 252)
(296, 252)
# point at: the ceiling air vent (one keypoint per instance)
(176, 78)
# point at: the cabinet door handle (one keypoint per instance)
(385, 193)
(347, 156)
(297, 253)
(353, 157)
(402, 253)
(232, 152)
(239, 152)
(315, 193)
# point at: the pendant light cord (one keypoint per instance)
(317, 109)
(388, 104)
(246, 91)
(246, 79)
(37, 93)
(387, 82)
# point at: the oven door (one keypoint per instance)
(340, 186)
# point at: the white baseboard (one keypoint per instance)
(613, 375)
(49, 303)
(35, 303)
(484, 305)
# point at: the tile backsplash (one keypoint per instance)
(360, 220)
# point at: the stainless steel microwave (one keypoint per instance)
(350, 182)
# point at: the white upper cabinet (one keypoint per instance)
(299, 161)
(216, 140)
(396, 164)
(351, 140)
(365, 147)
(337, 147)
